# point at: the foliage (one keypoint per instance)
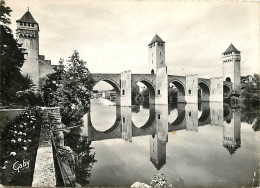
(19, 143)
(145, 94)
(31, 96)
(84, 158)
(69, 89)
(50, 84)
(11, 59)
(251, 93)
(159, 181)
(256, 126)
(5, 12)
(172, 95)
(135, 93)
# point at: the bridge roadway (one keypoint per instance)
(187, 118)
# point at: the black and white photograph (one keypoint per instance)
(121, 93)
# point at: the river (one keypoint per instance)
(210, 145)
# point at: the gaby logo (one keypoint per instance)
(19, 166)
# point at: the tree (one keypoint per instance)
(135, 93)
(70, 89)
(4, 13)
(251, 93)
(11, 60)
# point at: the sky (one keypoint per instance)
(112, 36)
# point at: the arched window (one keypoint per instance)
(228, 79)
(123, 119)
(158, 92)
(123, 92)
(189, 91)
(189, 113)
(159, 116)
(152, 72)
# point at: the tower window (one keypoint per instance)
(189, 113)
(228, 79)
(21, 23)
(158, 92)
(152, 62)
(152, 72)
(123, 92)
(32, 25)
(189, 91)
(160, 53)
(123, 119)
(159, 117)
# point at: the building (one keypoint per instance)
(27, 33)
(231, 67)
(246, 79)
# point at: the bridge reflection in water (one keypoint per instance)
(157, 126)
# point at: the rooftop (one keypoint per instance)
(156, 38)
(27, 17)
(230, 49)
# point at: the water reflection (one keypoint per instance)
(158, 126)
(135, 142)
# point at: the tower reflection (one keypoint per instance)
(231, 131)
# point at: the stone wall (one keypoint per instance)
(191, 90)
(44, 172)
(216, 89)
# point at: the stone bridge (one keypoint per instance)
(187, 119)
(158, 84)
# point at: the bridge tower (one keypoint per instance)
(158, 67)
(27, 33)
(156, 54)
(231, 67)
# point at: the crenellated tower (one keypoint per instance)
(27, 33)
(156, 54)
(231, 67)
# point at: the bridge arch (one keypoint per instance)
(113, 84)
(205, 91)
(181, 89)
(226, 88)
(150, 86)
(148, 127)
(113, 132)
(204, 118)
